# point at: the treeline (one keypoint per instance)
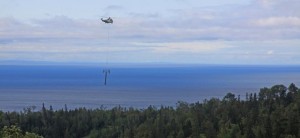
(272, 113)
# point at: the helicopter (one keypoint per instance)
(108, 20)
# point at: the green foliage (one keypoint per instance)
(273, 112)
(15, 132)
(12, 131)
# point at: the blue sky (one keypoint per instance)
(151, 31)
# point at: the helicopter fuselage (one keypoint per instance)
(109, 20)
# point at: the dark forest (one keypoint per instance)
(271, 113)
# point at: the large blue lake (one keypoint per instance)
(139, 87)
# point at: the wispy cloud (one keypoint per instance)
(113, 7)
(187, 47)
(290, 21)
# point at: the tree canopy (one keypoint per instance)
(272, 112)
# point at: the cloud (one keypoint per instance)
(54, 29)
(279, 21)
(113, 7)
(188, 47)
(250, 23)
(144, 15)
(259, 30)
(266, 3)
(270, 52)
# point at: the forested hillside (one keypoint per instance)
(272, 112)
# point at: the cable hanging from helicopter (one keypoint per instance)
(106, 71)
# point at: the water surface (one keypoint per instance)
(82, 86)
